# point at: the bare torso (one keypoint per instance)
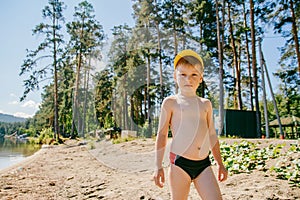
(193, 134)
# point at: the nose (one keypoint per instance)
(189, 78)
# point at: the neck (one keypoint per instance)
(187, 94)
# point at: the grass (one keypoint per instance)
(121, 140)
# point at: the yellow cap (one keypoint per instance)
(187, 52)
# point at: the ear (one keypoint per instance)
(201, 79)
(174, 75)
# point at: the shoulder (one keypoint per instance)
(206, 102)
(169, 101)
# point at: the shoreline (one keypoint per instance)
(117, 171)
(23, 162)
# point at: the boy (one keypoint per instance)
(193, 132)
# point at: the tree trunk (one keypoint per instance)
(77, 81)
(159, 58)
(145, 104)
(86, 89)
(75, 98)
(125, 105)
(56, 125)
(141, 114)
(221, 72)
(132, 117)
(148, 86)
(160, 62)
(295, 33)
(253, 41)
(248, 57)
(237, 91)
(175, 40)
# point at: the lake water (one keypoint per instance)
(13, 151)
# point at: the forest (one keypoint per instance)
(121, 87)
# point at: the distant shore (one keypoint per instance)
(101, 170)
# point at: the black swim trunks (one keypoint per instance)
(192, 167)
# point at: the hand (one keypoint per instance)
(222, 173)
(159, 177)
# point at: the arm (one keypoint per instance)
(161, 142)
(222, 172)
(215, 146)
(160, 145)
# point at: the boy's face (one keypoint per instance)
(188, 77)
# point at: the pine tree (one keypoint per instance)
(86, 34)
(53, 41)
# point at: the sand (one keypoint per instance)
(102, 170)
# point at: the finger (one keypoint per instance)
(155, 178)
(163, 178)
(220, 176)
(157, 181)
(161, 183)
(224, 176)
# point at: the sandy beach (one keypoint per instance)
(102, 170)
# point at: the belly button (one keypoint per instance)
(199, 148)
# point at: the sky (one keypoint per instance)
(19, 17)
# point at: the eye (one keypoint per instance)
(182, 74)
(194, 74)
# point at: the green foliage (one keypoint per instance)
(10, 128)
(85, 31)
(31, 132)
(46, 136)
(162, 28)
(109, 121)
(103, 99)
(246, 156)
(288, 168)
(45, 115)
(289, 97)
(287, 104)
(65, 97)
(91, 145)
(86, 35)
(145, 130)
(241, 157)
(121, 140)
(53, 40)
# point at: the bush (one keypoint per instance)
(288, 167)
(91, 145)
(46, 136)
(245, 156)
(121, 140)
